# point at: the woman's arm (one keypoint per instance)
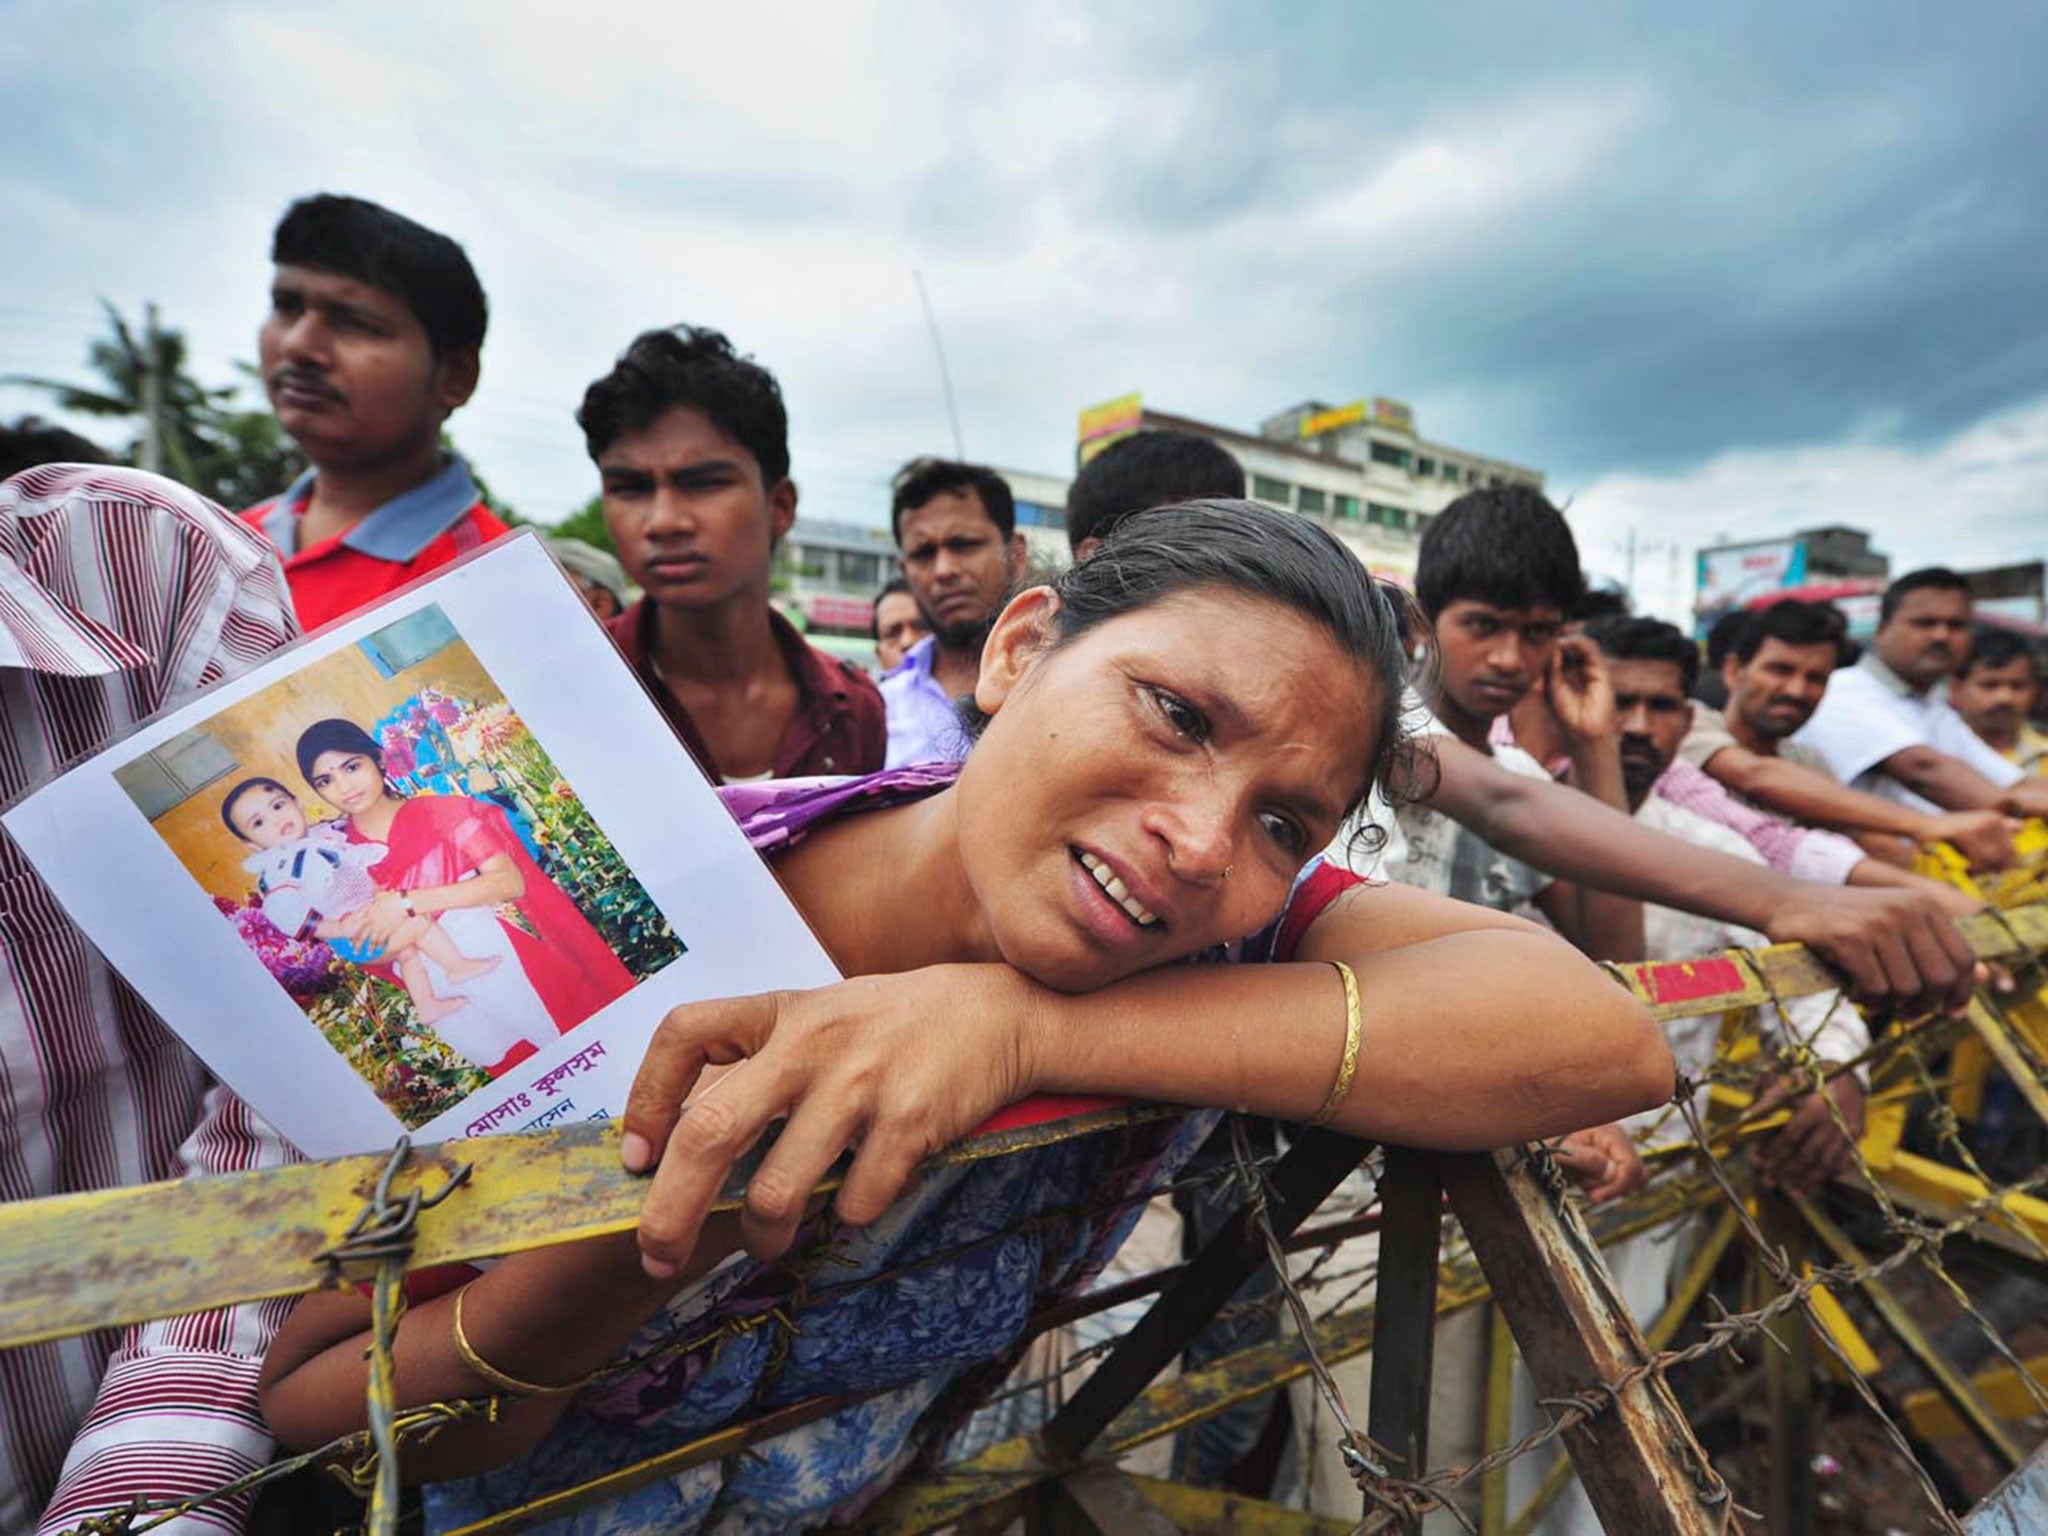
(497, 880)
(550, 1317)
(1479, 1030)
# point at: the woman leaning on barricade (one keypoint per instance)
(1172, 731)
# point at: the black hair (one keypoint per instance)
(1246, 547)
(228, 800)
(890, 588)
(31, 442)
(333, 735)
(1991, 646)
(922, 479)
(1598, 603)
(1794, 623)
(694, 366)
(368, 242)
(1505, 545)
(1629, 639)
(1147, 469)
(1935, 578)
(1724, 638)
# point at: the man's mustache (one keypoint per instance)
(303, 380)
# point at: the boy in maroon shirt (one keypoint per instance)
(691, 444)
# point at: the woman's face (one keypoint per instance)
(351, 782)
(1154, 786)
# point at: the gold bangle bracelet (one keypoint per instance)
(1354, 1027)
(490, 1372)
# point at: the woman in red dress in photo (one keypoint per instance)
(449, 853)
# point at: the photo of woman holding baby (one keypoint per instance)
(459, 861)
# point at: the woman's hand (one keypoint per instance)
(376, 922)
(899, 1066)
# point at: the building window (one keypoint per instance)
(1312, 501)
(1034, 514)
(1385, 516)
(859, 570)
(1387, 453)
(1423, 520)
(1278, 492)
(1425, 467)
(1450, 473)
(1348, 506)
(181, 767)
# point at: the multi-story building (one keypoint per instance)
(827, 574)
(1359, 469)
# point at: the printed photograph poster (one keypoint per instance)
(441, 869)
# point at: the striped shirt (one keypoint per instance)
(120, 593)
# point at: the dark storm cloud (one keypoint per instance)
(1819, 222)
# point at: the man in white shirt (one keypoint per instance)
(1885, 724)
(1776, 674)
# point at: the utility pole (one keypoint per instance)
(945, 374)
(1629, 581)
(152, 394)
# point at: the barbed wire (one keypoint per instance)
(1333, 1278)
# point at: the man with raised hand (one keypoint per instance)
(1497, 572)
(374, 338)
(1776, 675)
(1885, 725)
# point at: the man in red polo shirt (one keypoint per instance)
(691, 444)
(374, 338)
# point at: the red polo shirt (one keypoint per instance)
(410, 535)
(838, 726)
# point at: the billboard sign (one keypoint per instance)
(1331, 420)
(1103, 424)
(1735, 574)
(1393, 413)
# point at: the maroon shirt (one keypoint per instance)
(838, 727)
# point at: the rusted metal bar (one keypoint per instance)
(1316, 1165)
(1638, 1461)
(1404, 1325)
(993, 1479)
(1788, 1384)
(1089, 1303)
(74, 1263)
(1685, 1295)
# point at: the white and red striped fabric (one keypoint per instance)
(120, 592)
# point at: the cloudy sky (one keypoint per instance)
(1716, 272)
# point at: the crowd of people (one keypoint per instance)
(1414, 823)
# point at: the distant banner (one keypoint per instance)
(1107, 423)
(1735, 574)
(1393, 413)
(1331, 420)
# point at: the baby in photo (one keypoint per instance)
(310, 878)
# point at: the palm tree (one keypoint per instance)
(233, 456)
